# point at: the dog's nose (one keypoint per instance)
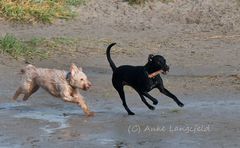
(167, 68)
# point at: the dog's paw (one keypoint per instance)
(151, 107)
(180, 104)
(155, 102)
(131, 113)
(90, 114)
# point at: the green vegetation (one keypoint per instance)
(17, 48)
(59, 45)
(33, 11)
(36, 48)
(76, 2)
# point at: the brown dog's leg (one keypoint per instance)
(17, 93)
(80, 100)
(33, 90)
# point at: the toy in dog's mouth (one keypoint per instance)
(152, 75)
(164, 72)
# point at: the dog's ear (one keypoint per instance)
(73, 69)
(150, 57)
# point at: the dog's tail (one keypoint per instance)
(113, 66)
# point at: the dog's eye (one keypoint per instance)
(81, 79)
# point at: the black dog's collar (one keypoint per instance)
(68, 76)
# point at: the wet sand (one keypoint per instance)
(204, 74)
(210, 117)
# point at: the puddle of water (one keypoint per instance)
(49, 116)
(110, 142)
(106, 141)
(12, 106)
(10, 146)
(3, 143)
(56, 116)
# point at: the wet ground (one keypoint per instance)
(199, 39)
(58, 125)
(210, 117)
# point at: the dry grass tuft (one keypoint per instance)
(33, 11)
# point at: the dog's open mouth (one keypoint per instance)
(85, 88)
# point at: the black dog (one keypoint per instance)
(142, 78)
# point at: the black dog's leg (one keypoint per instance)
(122, 96)
(145, 102)
(155, 101)
(169, 94)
